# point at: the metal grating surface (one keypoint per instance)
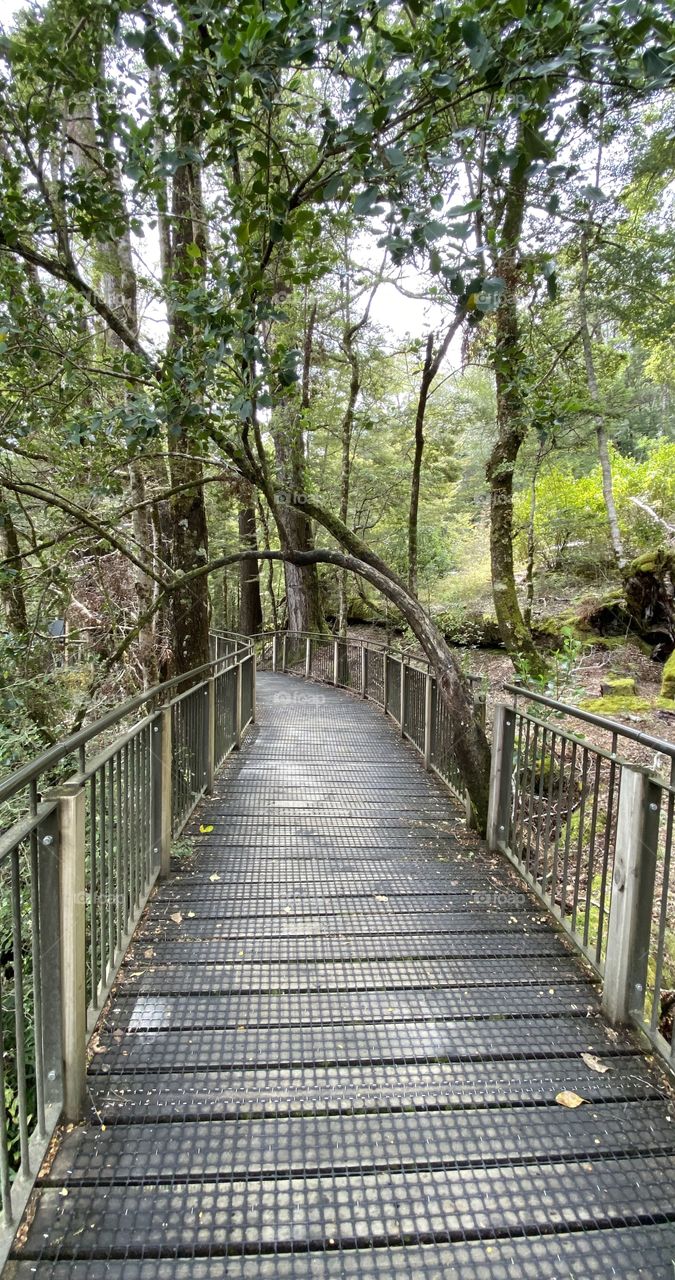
(335, 1048)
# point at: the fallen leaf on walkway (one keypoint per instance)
(381, 897)
(191, 915)
(176, 917)
(204, 831)
(214, 877)
(595, 1064)
(569, 1099)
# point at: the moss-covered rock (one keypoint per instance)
(618, 686)
(668, 681)
(469, 628)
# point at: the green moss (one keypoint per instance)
(668, 681)
(617, 705)
(619, 686)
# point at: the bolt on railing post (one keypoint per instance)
(237, 709)
(210, 735)
(480, 708)
(402, 696)
(385, 680)
(364, 671)
(49, 934)
(501, 764)
(70, 798)
(274, 651)
(308, 658)
(631, 903)
(336, 661)
(428, 692)
(160, 781)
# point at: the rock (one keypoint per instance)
(618, 687)
(668, 681)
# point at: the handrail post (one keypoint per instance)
(274, 651)
(237, 709)
(308, 657)
(49, 956)
(364, 670)
(283, 652)
(402, 693)
(385, 680)
(499, 802)
(336, 661)
(631, 903)
(253, 688)
(160, 774)
(210, 735)
(72, 913)
(428, 691)
(480, 708)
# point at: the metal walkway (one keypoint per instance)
(335, 1049)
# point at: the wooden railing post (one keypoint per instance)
(210, 735)
(160, 775)
(72, 915)
(499, 803)
(631, 903)
(428, 703)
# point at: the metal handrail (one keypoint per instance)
(601, 722)
(67, 746)
(77, 870)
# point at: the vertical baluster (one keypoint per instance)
(606, 845)
(36, 952)
(103, 836)
(93, 893)
(5, 1182)
(112, 887)
(19, 1010)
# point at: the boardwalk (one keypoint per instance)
(335, 1048)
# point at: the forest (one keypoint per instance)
(337, 317)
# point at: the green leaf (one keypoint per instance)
(365, 200)
(518, 8)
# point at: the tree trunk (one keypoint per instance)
(145, 587)
(303, 592)
(250, 606)
(601, 434)
(413, 512)
(346, 459)
(190, 604)
(11, 583)
(511, 431)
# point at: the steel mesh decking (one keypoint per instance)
(335, 1048)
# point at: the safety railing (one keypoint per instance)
(592, 834)
(398, 681)
(88, 827)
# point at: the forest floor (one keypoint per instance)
(576, 681)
